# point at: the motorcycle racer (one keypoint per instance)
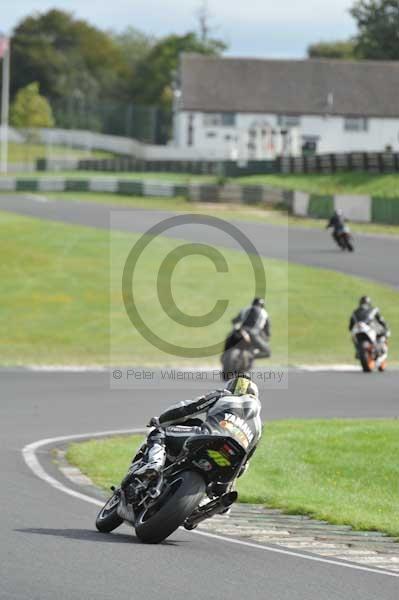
(233, 411)
(366, 313)
(256, 322)
(337, 222)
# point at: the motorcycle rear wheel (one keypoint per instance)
(186, 492)
(366, 360)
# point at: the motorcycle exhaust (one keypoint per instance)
(209, 510)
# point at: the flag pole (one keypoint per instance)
(5, 96)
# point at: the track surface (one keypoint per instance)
(48, 546)
(375, 257)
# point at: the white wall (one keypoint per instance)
(330, 130)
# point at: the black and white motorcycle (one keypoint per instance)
(372, 350)
(195, 486)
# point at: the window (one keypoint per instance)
(356, 124)
(228, 119)
(225, 119)
(288, 121)
(210, 134)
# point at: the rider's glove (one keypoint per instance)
(154, 422)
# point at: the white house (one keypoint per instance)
(240, 108)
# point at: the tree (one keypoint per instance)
(31, 110)
(66, 56)
(155, 74)
(338, 50)
(134, 45)
(378, 29)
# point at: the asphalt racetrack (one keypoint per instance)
(375, 258)
(49, 547)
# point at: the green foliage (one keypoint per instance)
(30, 109)
(340, 50)
(134, 45)
(155, 74)
(68, 57)
(378, 29)
(93, 78)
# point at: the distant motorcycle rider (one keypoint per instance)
(256, 321)
(337, 222)
(233, 409)
(366, 313)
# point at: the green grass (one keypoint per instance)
(23, 153)
(57, 300)
(339, 183)
(341, 471)
(136, 176)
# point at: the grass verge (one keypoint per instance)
(133, 175)
(58, 300)
(341, 471)
(26, 153)
(338, 183)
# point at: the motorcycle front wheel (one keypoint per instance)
(108, 519)
(181, 497)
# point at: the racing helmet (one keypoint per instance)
(258, 302)
(365, 301)
(242, 385)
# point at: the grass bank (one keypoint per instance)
(58, 300)
(23, 153)
(161, 177)
(338, 183)
(341, 471)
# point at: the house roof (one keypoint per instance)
(334, 87)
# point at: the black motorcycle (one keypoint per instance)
(239, 355)
(205, 469)
(344, 239)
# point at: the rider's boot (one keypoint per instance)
(152, 464)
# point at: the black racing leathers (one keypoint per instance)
(337, 222)
(217, 412)
(256, 321)
(370, 315)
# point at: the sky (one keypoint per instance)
(258, 28)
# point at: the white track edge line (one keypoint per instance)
(31, 460)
